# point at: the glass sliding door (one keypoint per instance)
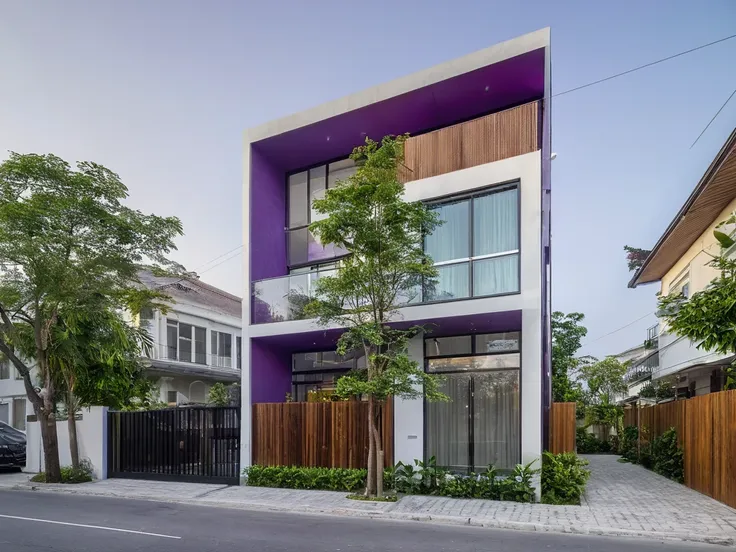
(496, 420)
(448, 433)
(481, 423)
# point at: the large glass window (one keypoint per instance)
(19, 414)
(476, 249)
(222, 349)
(4, 369)
(304, 188)
(185, 342)
(314, 375)
(480, 425)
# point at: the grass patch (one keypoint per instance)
(82, 474)
(624, 461)
(385, 498)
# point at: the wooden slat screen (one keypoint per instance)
(491, 138)
(562, 427)
(326, 434)
(706, 430)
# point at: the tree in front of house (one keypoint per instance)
(66, 238)
(708, 317)
(567, 333)
(366, 215)
(605, 382)
(635, 257)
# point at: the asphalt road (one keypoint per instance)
(35, 521)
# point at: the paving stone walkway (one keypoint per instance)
(621, 500)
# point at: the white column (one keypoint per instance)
(409, 416)
(531, 391)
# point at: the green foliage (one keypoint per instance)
(70, 474)
(629, 440)
(587, 443)
(419, 478)
(605, 380)
(661, 390)
(667, 456)
(567, 333)
(286, 477)
(648, 391)
(635, 257)
(219, 395)
(67, 241)
(563, 478)
(366, 215)
(708, 317)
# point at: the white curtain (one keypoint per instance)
(450, 240)
(496, 275)
(447, 425)
(453, 282)
(496, 419)
(496, 223)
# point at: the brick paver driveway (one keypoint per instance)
(632, 497)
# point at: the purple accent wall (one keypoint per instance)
(267, 218)
(270, 372)
(546, 291)
(510, 82)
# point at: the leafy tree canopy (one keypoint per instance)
(567, 333)
(635, 257)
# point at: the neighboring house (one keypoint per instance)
(197, 342)
(479, 154)
(643, 361)
(679, 261)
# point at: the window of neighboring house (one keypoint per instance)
(185, 342)
(19, 414)
(303, 188)
(171, 397)
(222, 354)
(681, 284)
(4, 369)
(239, 351)
(18, 375)
(476, 249)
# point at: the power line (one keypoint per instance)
(714, 118)
(650, 64)
(618, 329)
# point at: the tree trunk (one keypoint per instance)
(370, 484)
(73, 446)
(47, 421)
(379, 453)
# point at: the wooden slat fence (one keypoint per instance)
(324, 434)
(562, 427)
(491, 138)
(706, 430)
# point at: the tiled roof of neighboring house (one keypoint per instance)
(195, 291)
(716, 189)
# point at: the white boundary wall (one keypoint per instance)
(91, 438)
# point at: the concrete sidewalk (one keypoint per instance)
(621, 500)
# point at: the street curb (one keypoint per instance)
(401, 516)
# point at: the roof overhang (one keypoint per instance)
(716, 189)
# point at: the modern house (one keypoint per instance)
(679, 262)
(197, 341)
(479, 153)
(13, 404)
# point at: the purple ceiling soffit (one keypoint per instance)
(324, 340)
(512, 81)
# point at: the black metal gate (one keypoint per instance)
(185, 444)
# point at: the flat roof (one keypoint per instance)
(716, 189)
(503, 75)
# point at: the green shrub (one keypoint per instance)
(645, 456)
(563, 478)
(587, 443)
(292, 477)
(69, 474)
(628, 448)
(418, 478)
(667, 456)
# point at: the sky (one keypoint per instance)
(161, 92)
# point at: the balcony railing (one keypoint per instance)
(162, 352)
(484, 140)
(652, 341)
(642, 369)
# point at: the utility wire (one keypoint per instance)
(618, 329)
(650, 64)
(714, 117)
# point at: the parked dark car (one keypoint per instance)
(12, 447)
